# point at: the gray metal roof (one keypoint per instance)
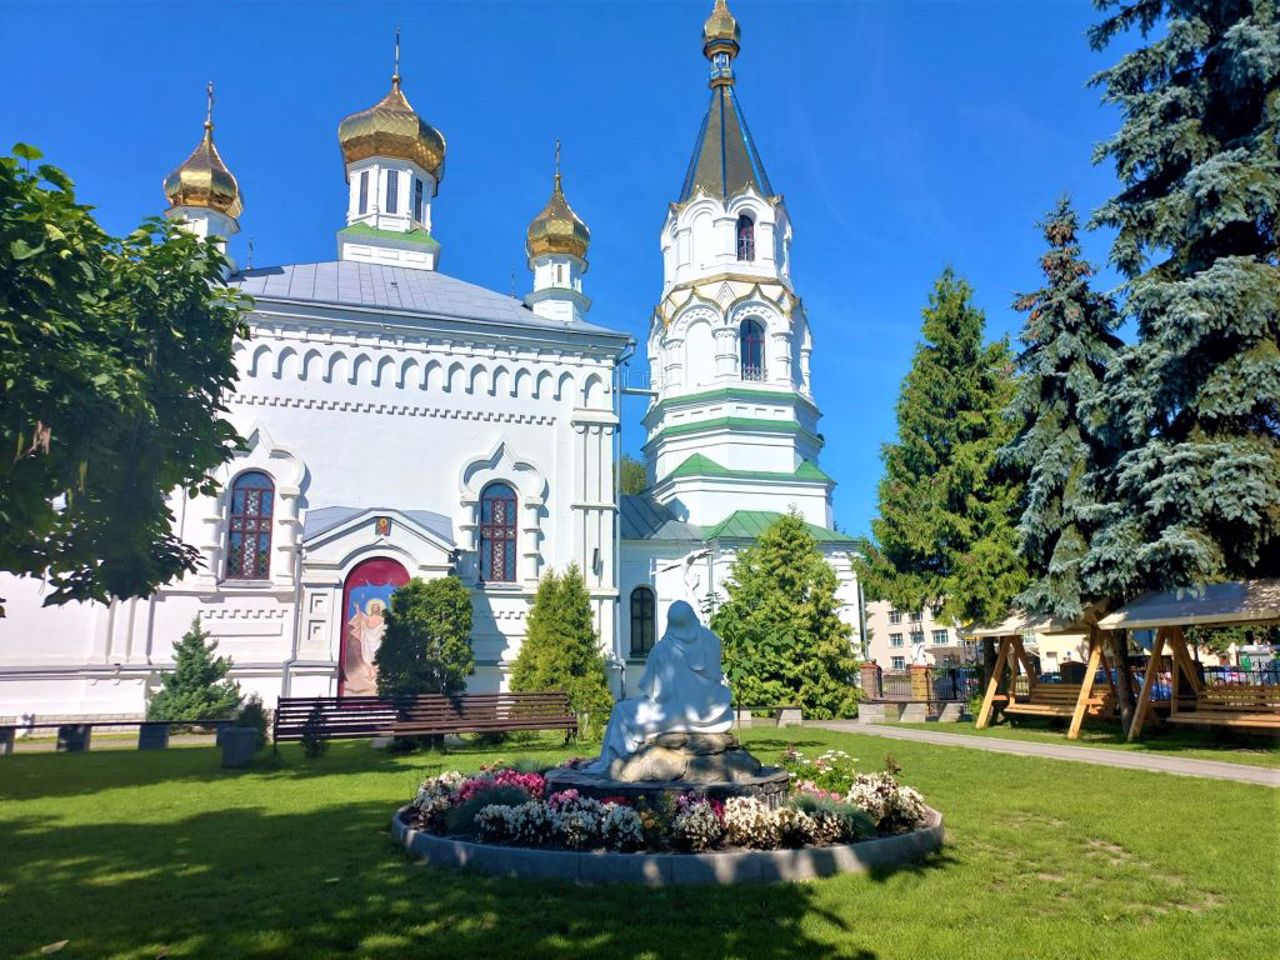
(323, 519)
(426, 292)
(643, 518)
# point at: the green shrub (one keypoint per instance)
(462, 818)
(314, 743)
(254, 714)
(197, 688)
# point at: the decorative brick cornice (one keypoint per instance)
(390, 409)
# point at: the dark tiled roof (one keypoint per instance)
(725, 159)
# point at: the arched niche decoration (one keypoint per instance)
(503, 465)
(288, 473)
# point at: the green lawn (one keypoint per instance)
(162, 854)
(1254, 751)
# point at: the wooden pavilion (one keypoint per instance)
(1071, 701)
(1254, 706)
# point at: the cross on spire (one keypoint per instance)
(208, 112)
(395, 76)
(557, 163)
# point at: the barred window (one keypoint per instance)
(751, 342)
(498, 534)
(249, 527)
(642, 621)
(746, 238)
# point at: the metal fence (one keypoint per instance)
(945, 684)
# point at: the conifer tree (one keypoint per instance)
(1060, 449)
(1197, 398)
(561, 650)
(198, 687)
(427, 644)
(945, 536)
(783, 639)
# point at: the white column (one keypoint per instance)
(780, 362)
(726, 339)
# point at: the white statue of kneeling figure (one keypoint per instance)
(682, 691)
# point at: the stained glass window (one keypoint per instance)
(498, 534)
(642, 621)
(249, 527)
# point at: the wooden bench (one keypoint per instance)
(428, 715)
(1256, 706)
(1059, 700)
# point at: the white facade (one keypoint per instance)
(898, 638)
(383, 402)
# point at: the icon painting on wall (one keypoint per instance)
(365, 601)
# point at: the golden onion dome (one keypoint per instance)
(557, 229)
(721, 31)
(203, 180)
(391, 128)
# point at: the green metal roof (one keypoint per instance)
(738, 423)
(699, 465)
(750, 524)
(414, 238)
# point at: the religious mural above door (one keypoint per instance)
(365, 599)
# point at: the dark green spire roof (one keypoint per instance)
(725, 160)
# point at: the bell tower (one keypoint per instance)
(733, 425)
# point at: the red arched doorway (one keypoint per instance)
(365, 597)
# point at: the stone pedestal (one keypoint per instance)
(153, 736)
(6, 740)
(707, 764)
(951, 713)
(74, 737)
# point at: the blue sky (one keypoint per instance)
(904, 135)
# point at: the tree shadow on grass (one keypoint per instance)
(329, 882)
(28, 776)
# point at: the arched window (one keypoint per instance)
(642, 621)
(746, 238)
(498, 534)
(751, 344)
(249, 527)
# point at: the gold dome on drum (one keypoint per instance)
(391, 128)
(557, 229)
(203, 180)
(721, 31)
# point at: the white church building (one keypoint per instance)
(403, 423)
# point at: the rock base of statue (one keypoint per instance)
(712, 765)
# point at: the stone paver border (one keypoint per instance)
(668, 869)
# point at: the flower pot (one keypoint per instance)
(239, 744)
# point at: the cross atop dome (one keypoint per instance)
(725, 161)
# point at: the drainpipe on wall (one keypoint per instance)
(627, 352)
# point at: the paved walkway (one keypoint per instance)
(1128, 759)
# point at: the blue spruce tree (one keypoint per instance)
(1061, 447)
(1196, 400)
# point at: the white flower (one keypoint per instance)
(621, 827)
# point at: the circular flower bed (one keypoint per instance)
(829, 803)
